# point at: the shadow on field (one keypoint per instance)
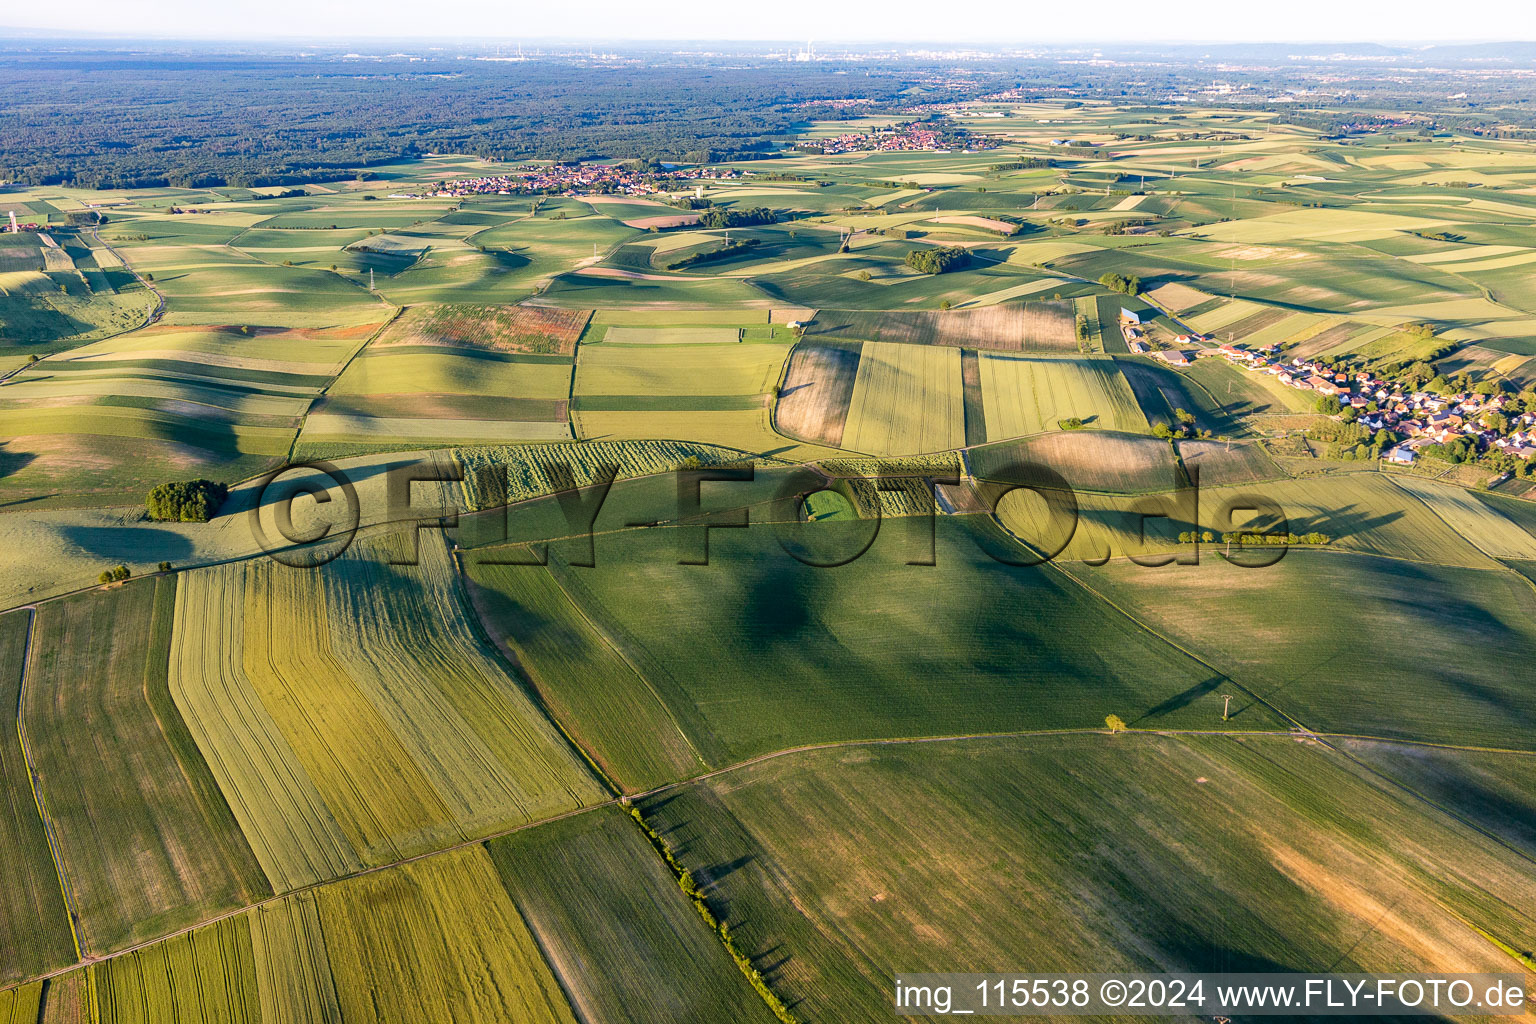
(14, 462)
(242, 498)
(1184, 699)
(145, 544)
(1348, 521)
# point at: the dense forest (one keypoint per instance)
(95, 117)
(113, 120)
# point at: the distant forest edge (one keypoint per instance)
(120, 121)
(116, 118)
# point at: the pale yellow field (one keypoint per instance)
(907, 399)
(1027, 394)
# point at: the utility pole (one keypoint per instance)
(1226, 706)
(370, 279)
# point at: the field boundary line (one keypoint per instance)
(471, 609)
(952, 738)
(602, 634)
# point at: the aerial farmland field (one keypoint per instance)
(581, 533)
(906, 399)
(1029, 395)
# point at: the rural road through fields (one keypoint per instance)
(155, 313)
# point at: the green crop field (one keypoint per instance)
(439, 939)
(843, 906)
(33, 902)
(145, 841)
(672, 968)
(814, 687)
(1283, 633)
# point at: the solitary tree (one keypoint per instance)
(1115, 723)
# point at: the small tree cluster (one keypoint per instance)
(715, 217)
(1121, 283)
(1191, 536)
(114, 575)
(937, 260)
(188, 501)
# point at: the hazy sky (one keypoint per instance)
(987, 21)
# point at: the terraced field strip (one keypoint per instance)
(293, 969)
(1087, 307)
(203, 976)
(589, 885)
(403, 632)
(378, 793)
(436, 939)
(291, 830)
(34, 900)
(597, 695)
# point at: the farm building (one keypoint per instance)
(1130, 315)
(1174, 357)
